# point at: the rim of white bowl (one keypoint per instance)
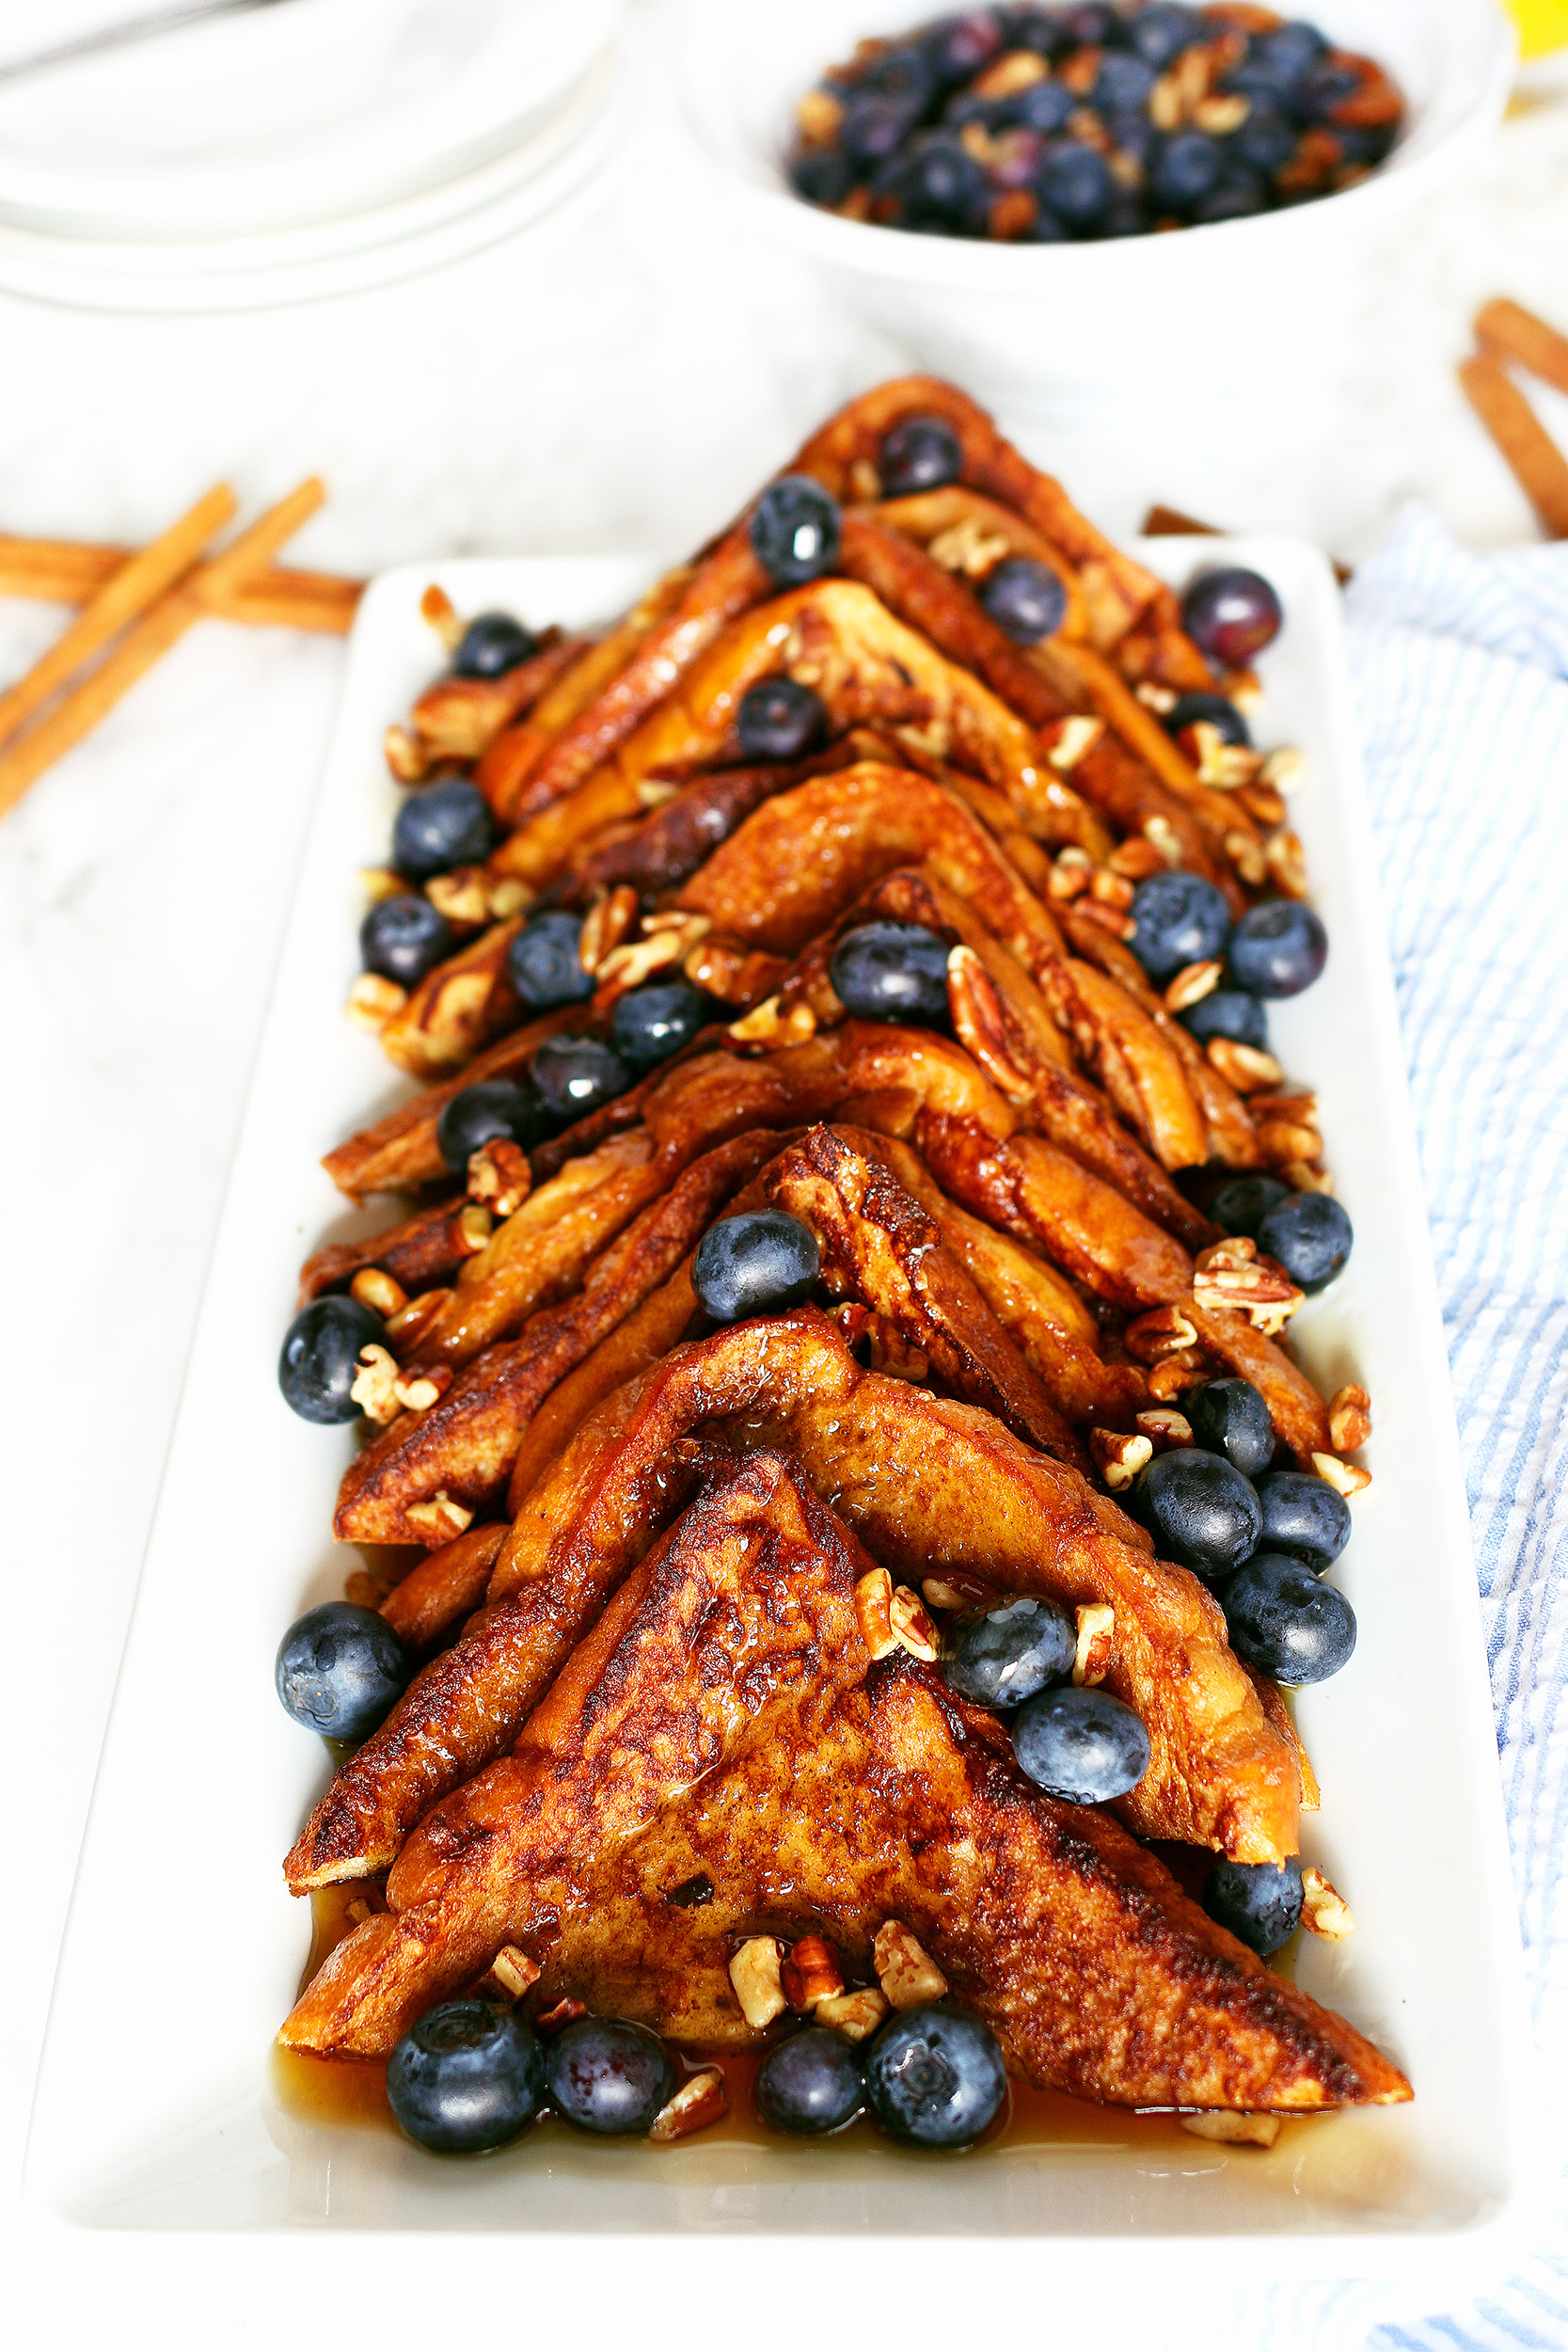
(1485, 75)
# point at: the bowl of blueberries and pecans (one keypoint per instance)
(1042, 125)
(996, 189)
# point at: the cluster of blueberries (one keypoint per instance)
(1086, 151)
(472, 2074)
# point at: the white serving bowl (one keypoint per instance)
(1140, 336)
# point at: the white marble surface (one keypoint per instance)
(618, 379)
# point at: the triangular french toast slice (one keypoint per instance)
(743, 1622)
(1098, 1975)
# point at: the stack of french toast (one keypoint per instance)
(676, 1617)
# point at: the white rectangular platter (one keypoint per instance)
(167, 2120)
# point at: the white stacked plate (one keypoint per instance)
(296, 152)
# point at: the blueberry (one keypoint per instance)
(757, 1264)
(1161, 33)
(1237, 195)
(442, 826)
(1278, 948)
(1231, 614)
(1264, 87)
(1370, 143)
(1095, 25)
(1287, 1624)
(1264, 142)
(579, 1074)
(795, 530)
(934, 2076)
(958, 46)
(904, 74)
(1183, 168)
(1241, 1205)
(651, 1024)
(1260, 1902)
(468, 2075)
(1132, 135)
(490, 1107)
(1323, 89)
(1214, 710)
(1025, 599)
(1303, 1514)
(810, 2083)
(1003, 1657)
(316, 1369)
(1291, 51)
(874, 128)
(920, 453)
(607, 2075)
(779, 720)
(545, 962)
(1226, 1013)
(491, 645)
(1083, 1746)
(1124, 81)
(941, 186)
(403, 938)
(1075, 184)
(824, 176)
(1033, 29)
(891, 972)
(1310, 1236)
(1179, 919)
(1201, 1512)
(1044, 107)
(340, 1670)
(1230, 1418)
(1047, 230)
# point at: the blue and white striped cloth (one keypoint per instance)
(1460, 664)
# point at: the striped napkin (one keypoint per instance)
(1460, 667)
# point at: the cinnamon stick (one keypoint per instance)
(1533, 457)
(1507, 331)
(69, 571)
(60, 729)
(127, 594)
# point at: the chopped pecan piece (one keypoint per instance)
(911, 1625)
(756, 1974)
(853, 2014)
(377, 1291)
(874, 1608)
(811, 1973)
(699, 2101)
(1323, 1911)
(1118, 1458)
(1096, 1634)
(499, 1176)
(374, 1388)
(905, 1969)
(1346, 1478)
(1350, 1418)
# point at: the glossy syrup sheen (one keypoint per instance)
(353, 2091)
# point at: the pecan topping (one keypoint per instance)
(874, 1608)
(499, 1176)
(756, 1975)
(1350, 1418)
(1118, 1458)
(1245, 1067)
(699, 2101)
(853, 2014)
(1323, 1911)
(906, 1972)
(374, 1388)
(1096, 1634)
(1346, 1478)
(810, 1974)
(981, 1024)
(373, 1001)
(1192, 984)
(911, 1625)
(378, 1291)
